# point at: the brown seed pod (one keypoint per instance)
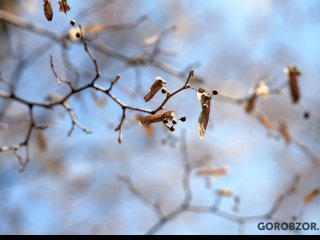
(293, 73)
(284, 131)
(47, 8)
(265, 121)
(145, 121)
(251, 103)
(310, 197)
(224, 192)
(158, 85)
(64, 7)
(205, 100)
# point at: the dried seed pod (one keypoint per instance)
(265, 121)
(251, 103)
(293, 73)
(41, 141)
(220, 171)
(47, 8)
(158, 85)
(205, 100)
(284, 131)
(145, 121)
(204, 170)
(64, 7)
(209, 171)
(310, 197)
(225, 192)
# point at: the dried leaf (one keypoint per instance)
(155, 88)
(310, 197)
(284, 131)
(205, 100)
(64, 7)
(47, 8)
(251, 103)
(145, 121)
(265, 121)
(225, 192)
(41, 141)
(293, 73)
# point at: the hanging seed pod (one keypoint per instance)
(205, 100)
(293, 73)
(284, 131)
(251, 103)
(64, 7)
(265, 121)
(160, 117)
(158, 85)
(310, 197)
(224, 192)
(47, 8)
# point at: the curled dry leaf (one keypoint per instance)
(284, 131)
(64, 7)
(265, 121)
(145, 121)
(155, 88)
(293, 73)
(205, 100)
(251, 103)
(47, 8)
(225, 192)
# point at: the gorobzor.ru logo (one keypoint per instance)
(288, 226)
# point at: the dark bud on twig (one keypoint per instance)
(306, 115)
(73, 22)
(172, 129)
(215, 92)
(293, 73)
(183, 119)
